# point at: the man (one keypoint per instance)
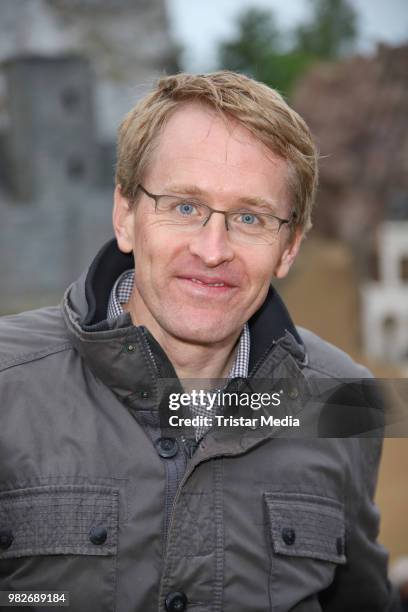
(215, 183)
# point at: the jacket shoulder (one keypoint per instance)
(31, 335)
(329, 360)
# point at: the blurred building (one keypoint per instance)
(69, 71)
(384, 307)
(357, 110)
(127, 43)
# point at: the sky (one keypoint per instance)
(198, 25)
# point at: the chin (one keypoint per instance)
(200, 333)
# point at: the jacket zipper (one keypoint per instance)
(189, 447)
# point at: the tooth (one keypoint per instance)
(195, 280)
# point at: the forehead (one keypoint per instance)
(216, 151)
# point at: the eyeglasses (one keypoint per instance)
(245, 226)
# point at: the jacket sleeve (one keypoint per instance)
(362, 585)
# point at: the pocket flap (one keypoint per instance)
(304, 525)
(61, 519)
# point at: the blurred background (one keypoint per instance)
(70, 69)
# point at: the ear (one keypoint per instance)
(288, 255)
(122, 218)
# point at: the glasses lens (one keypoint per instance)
(182, 212)
(253, 228)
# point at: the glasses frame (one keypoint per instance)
(211, 210)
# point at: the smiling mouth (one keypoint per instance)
(216, 285)
(195, 280)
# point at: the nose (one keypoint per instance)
(211, 242)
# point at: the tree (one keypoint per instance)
(331, 32)
(258, 36)
(261, 50)
(257, 51)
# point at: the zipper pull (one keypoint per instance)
(190, 446)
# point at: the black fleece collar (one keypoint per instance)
(108, 264)
(269, 324)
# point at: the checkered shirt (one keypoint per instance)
(120, 294)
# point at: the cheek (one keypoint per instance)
(261, 269)
(156, 251)
(143, 250)
(145, 239)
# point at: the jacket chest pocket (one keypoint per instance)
(307, 539)
(61, 538)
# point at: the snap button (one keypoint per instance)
(98, 535)
(176, 602)
(144, 394)
(130, 348)
(288, 536)
(167, 447)
(339, 546)
(293, 393)
(6, 538)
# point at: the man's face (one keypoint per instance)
(199, 155)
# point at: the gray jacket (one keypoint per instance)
(95, 500)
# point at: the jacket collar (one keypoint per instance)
(107, 266)
(86, 302)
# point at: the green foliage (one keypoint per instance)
(258, 36)
(331, 33)
(260, 49)
(257, 51)
(281, 70)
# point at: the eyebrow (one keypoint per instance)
(263, 205)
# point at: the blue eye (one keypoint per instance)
(248, 218)
(186, 209)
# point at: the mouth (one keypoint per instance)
(208, 284)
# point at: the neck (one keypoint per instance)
(200, 361)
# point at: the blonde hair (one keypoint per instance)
(256, 106)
